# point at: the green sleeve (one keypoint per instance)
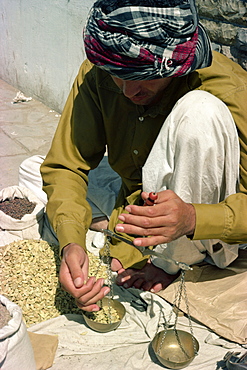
(225, 221)
(66, 166)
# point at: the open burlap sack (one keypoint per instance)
(217, 297)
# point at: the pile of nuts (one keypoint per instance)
(29, 277)
(106, 315)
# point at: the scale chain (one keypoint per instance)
(188, 313)
(109, 273)
(177, 301)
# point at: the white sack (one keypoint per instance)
(16, 351)
(30, 226)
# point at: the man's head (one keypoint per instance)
(146, 39)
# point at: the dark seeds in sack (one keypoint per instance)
(4, 316)
(17, 207)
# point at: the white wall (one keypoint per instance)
(41, 46)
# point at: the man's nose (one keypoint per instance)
(131, 88)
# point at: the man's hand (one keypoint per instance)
(168, 219)
(73, 276)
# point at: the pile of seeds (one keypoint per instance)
(106, 315)
(17, 207)
(29, 277)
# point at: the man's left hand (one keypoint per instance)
(168, 219)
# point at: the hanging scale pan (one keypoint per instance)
(175, 348)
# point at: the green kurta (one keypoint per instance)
(98, 116)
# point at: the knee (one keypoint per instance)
(200, 115)
(201, 102)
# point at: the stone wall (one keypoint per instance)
(226, 23)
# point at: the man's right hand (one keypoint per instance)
(73, 277)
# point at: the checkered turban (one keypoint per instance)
(146, 39)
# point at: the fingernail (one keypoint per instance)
(137, 242)
(95, 309)
(119, 228)
(128, 209)
(121, 217)
(78, 282)
(106, 292)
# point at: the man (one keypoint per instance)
(171, 117)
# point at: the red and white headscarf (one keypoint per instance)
(146, 39)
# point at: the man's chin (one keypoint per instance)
(144, 101)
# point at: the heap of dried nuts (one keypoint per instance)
(106, 315)
(29, 277)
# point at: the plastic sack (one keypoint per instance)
(29, 226)
(16, 351)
